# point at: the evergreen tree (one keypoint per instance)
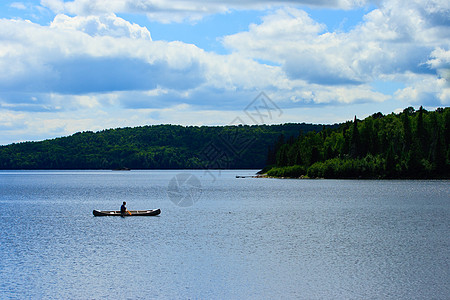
(421, 134)
(282, 155)
(437, 157)
(407, 133)
(355, 140)
(315, 155)
(390, 163)
(446, 149)
(271, 155)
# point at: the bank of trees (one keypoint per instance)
(152, 147)
(411, 144)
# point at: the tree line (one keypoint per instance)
(410, 144)
(153, 147)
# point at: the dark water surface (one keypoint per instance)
(242, 239)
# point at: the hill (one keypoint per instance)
(154, 147)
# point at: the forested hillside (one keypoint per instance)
(411, 144)
(153, 147)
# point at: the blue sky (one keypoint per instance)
(78, 65)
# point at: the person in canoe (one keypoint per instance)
(123, 210)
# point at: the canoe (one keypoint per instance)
(102, 213)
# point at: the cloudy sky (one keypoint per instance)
(69, 66)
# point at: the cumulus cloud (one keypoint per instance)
(104, 25)
(440, 61)
(91, 54)
(98, 54)
(104, 54)
(426, 90)
(391, 40)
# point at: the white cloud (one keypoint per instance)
(105, 54)
(91, 54)
(56, 5)
(337, 95)
(87, 62)
(439, 59)
(181, 10)
(104, 25)
(394, 39)
(425, 90)
(18, 5)
(11, 120)
(301, 45)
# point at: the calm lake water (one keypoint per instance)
(241, 239)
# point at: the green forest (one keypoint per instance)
(154, 147)
(411, 144)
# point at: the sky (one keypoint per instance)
(89, 65)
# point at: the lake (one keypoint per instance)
(220, 237)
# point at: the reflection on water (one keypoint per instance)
(243, 238)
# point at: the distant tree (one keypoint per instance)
(271, 155)
(355, 144)
(407, 133)
(420, 133)
(447, 132)
(390, 164)
(437, 151)
(282, 155)
(377, 115)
